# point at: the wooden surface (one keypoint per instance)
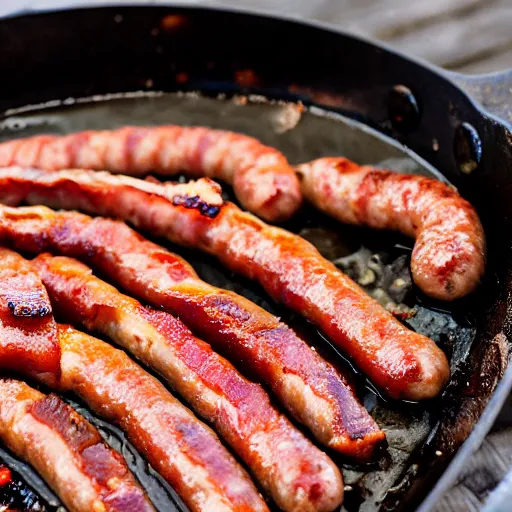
(469, 35)
(481, 475)
(473, 36)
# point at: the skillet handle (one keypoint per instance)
(493, 91)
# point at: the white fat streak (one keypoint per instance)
(207, 190)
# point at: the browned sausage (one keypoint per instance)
(29, 334)
(448, 259)
(306, 384)
(449, 256)
(263, 180)
(67, 451)
(183, 450)
(297, 475)
(403, 363)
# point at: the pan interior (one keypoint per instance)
(379, 261)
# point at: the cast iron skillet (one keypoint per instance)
(54, 60)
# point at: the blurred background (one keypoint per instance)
(473, 36)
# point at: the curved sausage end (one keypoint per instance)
(328, 498)
(272, 193)
(451, 268)
(435, 372)
(322, 492)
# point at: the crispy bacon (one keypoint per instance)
(402, 363)
(93, 190)
(307, 385)
(183, 450)
(263, 180)
(29, 334)
(448, 259)
(297, 475)
(67, 451)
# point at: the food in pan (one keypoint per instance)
(448, 262)
(180, 447)
(262, 179)
(309, 387)
(184, 450)
(449, 254)
(448, 259)
(402, 363)
(289, 467)
(29, 335)
(67, 451)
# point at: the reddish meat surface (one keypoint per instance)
(29, 334)
(404, 364)
(310, 388)
(262, 179)
(186, 452)
(67, 451)
(182, 449)
(448, 259)
(294, 472)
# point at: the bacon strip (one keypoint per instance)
(307, 385)
(183, 450)
(296, 474)
(29, 334)
(67, 451)
(448, 259)
(262, 179)
(402, 363)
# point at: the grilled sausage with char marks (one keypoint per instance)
(263, 180)
(182, 449)
(67, 451)
(404, 364)
(186, 452)
(448, 259)
(296, 474)
(310, 388)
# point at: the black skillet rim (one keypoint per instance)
(263, 13)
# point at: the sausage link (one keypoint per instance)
(449, 255)
(263, 180)
(296, 474)
(29, 334)
(404, 364)
(183, 450)
(310, 388)
(67, 451)
(448, 259)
